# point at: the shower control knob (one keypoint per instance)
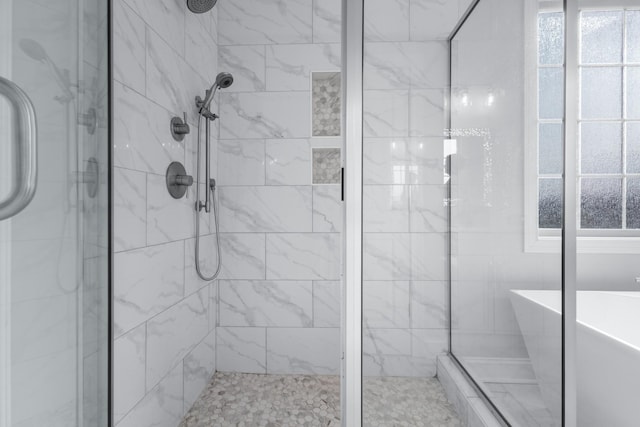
(177, 180)
(179, 127)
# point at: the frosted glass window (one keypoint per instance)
(633, 203)
(551, 93)
(601, 203)
(633, 92)
(550, 148)
(601, 147)
(601, 37)
(601, 94)
(633, 36)
(633, 147)
(550, 203)
(551, 38)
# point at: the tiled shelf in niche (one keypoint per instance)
(325, 165)
(325, 89)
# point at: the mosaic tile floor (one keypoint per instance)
(233, 399)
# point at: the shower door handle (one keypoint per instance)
(25, 145)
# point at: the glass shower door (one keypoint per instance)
(54, 251)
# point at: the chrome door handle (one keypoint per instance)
(25, 147)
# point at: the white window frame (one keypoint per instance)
(549, 240)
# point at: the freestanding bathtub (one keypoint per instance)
(608, 349)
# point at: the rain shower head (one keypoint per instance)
(201, 6)
(224, 80)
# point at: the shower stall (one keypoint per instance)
(54, 213)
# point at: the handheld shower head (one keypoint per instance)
(201, 6)
(33, 49)
(223, 81)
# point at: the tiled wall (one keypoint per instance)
(405, 217)
(164, 324)
(279, 297)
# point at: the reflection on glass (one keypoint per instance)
(601, 147)
(601, 203)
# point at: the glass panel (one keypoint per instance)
(601, 89)
(54, 253)
(551, 93)
(633, 203)
(550, 148)
(500, 331)
(633, 147)
(551, 38)
(550, 203)
(633, 92)
(601, 37)
(601, 203)
(601, 147)
(633, 36)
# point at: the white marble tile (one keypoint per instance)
(141, 140)
(289, 67)
(208, 262)
(200, 51)
(260, 22)
(327, 21)
(429, 304)
(265, 115)
(387, 256)
(327, 209)
(386, 20)
(213, 305)
(472, 306)
(241, 350)
(385, 208)
(162, 406)
(386, 113)
(428, 210)
(247, 64)
(165, 78)
(288, 162)
(146, 282)
(403, 161)
(199, 367)
(326, 304)
(264, 209)
(168, 219)
(261, 303)
(172, 334)
(404, 65)
(165, 17)
(243, 256)
(129, 209)
(241, 162)
(426, 345)
(129, 356)
(385, 304)
(433, 19)
(426, 112)
(303, 351)
(428, 260)
(303, 256)
(129, 41)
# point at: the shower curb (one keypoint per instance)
(470, 406)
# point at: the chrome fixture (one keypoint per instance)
(177, 180)
(223, 81)
(25, 150)
(201, 6)
(179, 127)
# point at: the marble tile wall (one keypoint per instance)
(405, 217)
(165, 317)
(279, 297)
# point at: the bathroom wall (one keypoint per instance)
(279, 293)
(164, 316)
(405, 216)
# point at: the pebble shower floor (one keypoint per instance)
(233, 399)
